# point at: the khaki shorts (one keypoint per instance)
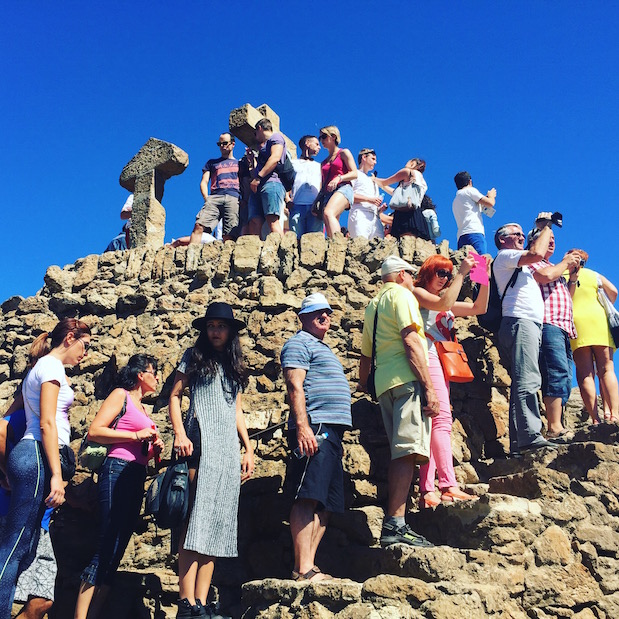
(408, 430)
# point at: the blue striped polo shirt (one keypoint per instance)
(224, 178)
(327, 393)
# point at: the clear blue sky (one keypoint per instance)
(523, 95)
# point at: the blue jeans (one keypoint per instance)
(121, 487)
(476, 239)
(29, 477)
(302, 221)
(555, 363)
(520, 340)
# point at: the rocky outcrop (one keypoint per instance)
(541, 542)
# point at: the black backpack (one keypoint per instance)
(167, 498)
(491, 320)
(286, 173)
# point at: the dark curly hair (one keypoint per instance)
(205, 359)
(127, 377)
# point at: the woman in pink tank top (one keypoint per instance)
(338, 170)
(132, 443)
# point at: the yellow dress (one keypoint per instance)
(589, 316)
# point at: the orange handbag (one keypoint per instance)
(454, 361)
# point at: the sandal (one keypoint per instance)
(309, 575)
(562, 436)
(429, 500)
(454, 496)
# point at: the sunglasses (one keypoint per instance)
(86, 345)
(444, 273)
(518, 234)
(324, 136)
(223, 143)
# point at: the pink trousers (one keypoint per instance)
(441, 457)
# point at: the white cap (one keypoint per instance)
(313, 303)
(395, 264)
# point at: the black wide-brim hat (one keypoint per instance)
(218, 311)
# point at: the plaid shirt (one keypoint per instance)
(557, 301)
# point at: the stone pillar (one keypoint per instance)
(145, 176)
(243, 122)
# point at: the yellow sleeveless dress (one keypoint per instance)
(589, 316)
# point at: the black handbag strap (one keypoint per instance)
(373, 359)
(510, 283)
(123, 410)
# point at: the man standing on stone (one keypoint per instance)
(555, 357)
(520, 334)
(306, 187)
(267, 201)
(222, 175)
(468, 207)
(403, 387)
(319, 398)
(364, 219)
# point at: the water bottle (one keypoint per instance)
(320, 439)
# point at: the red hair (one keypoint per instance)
(430, 267)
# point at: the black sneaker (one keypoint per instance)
(392, 534)
(187, 611)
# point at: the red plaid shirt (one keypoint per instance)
(557, 301)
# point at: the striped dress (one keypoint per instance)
(213, 521)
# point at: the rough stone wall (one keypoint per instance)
(542, 541)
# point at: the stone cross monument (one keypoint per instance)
(243, 122)
(145, 176)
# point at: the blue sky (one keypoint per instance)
(523, 95)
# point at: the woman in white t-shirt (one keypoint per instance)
(33, 466)
(410, 174)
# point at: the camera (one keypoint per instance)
(582, 263)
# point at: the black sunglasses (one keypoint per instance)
(444, 273)
(223, 143)
(324, 136)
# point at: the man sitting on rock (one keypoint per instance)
(403, 387)
(319, 398)
(222, 175)
(520, 334)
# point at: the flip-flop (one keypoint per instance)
(562, 437)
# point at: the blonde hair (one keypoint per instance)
(333, 131)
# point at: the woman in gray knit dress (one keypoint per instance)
(208, 439)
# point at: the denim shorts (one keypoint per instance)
(555, 363)
(345, 190)
(320, 477)
(476, 239)
(268, 200)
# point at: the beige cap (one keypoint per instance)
(395, 264)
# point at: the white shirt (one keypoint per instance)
(467, 211)
(524, 299)
(307, 181)
(365, 186)
(47, 369)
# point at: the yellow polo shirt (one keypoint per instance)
(397, 309)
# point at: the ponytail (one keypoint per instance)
(40, 347)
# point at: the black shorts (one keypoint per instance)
(321, 477)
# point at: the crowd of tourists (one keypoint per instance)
(548, 310)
